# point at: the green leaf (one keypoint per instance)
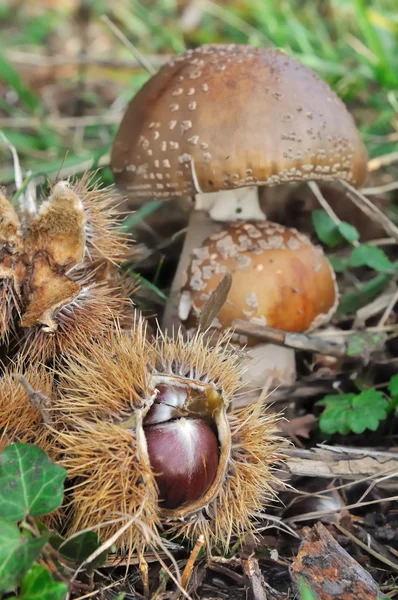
(38, 584)
(306, 592)
(369, 408)
(147, 284)
(365, 293)
(330, 232)
(11, 77)
(339, 264)
(17, 554)
(393, 387)
(363, 343)
(353, 412)
(334, 417)
(80, 547)
(372, 257)
(30, 483)
(326, 229)
(142, 213)
(348, 232)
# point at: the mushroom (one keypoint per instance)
(279, 279)
(219, 121)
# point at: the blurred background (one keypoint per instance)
(68, 69)
(66, 76)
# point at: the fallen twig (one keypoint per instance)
(347, 463)
(370, 209)
(38, 60)
(252, 570)
(298, 341)
(329, 570)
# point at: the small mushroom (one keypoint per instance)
(219, 121)
(279, 279)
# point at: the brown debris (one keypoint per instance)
(329, 570)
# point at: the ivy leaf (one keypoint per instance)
(81, 546)
(353, 412)
(372, 257)
(17, 554)
(38, 584)
(30, 483)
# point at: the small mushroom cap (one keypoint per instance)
(228, 116)
(279, 279)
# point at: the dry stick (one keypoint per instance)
(345, 463)
(138, 55)
(143, 565)
(37, 399)
(186, 574)
(372, 211)
(95, 592)
(299, 341)
(342, 332)
(314, 187)
(60, 122)
(365, 547)
(388, 309)
(382, 242)
(322, 513)
(382, 161)
(38, 60)
(252, 570)
(381, 189)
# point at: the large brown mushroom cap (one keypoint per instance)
(279, 279)
(228, 116)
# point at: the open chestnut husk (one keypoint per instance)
(147, 434)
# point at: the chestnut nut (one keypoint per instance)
(182, 447)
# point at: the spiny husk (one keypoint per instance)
(20, 421)
(10, 304)
(90, 314)
(99, 388)
(11, 268)
(249, 483)
(59, 280)
(103, 237)
(113, 383)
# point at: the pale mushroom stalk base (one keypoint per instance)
(267, 366)
(210, 210)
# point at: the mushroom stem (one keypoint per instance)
(232, 205)
(200, 226)
(210, 210)
(267, 366)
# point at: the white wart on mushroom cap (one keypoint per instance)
(279, 279)
(227, 116)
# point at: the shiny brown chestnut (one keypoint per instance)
(184, 457)
(182, 447)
